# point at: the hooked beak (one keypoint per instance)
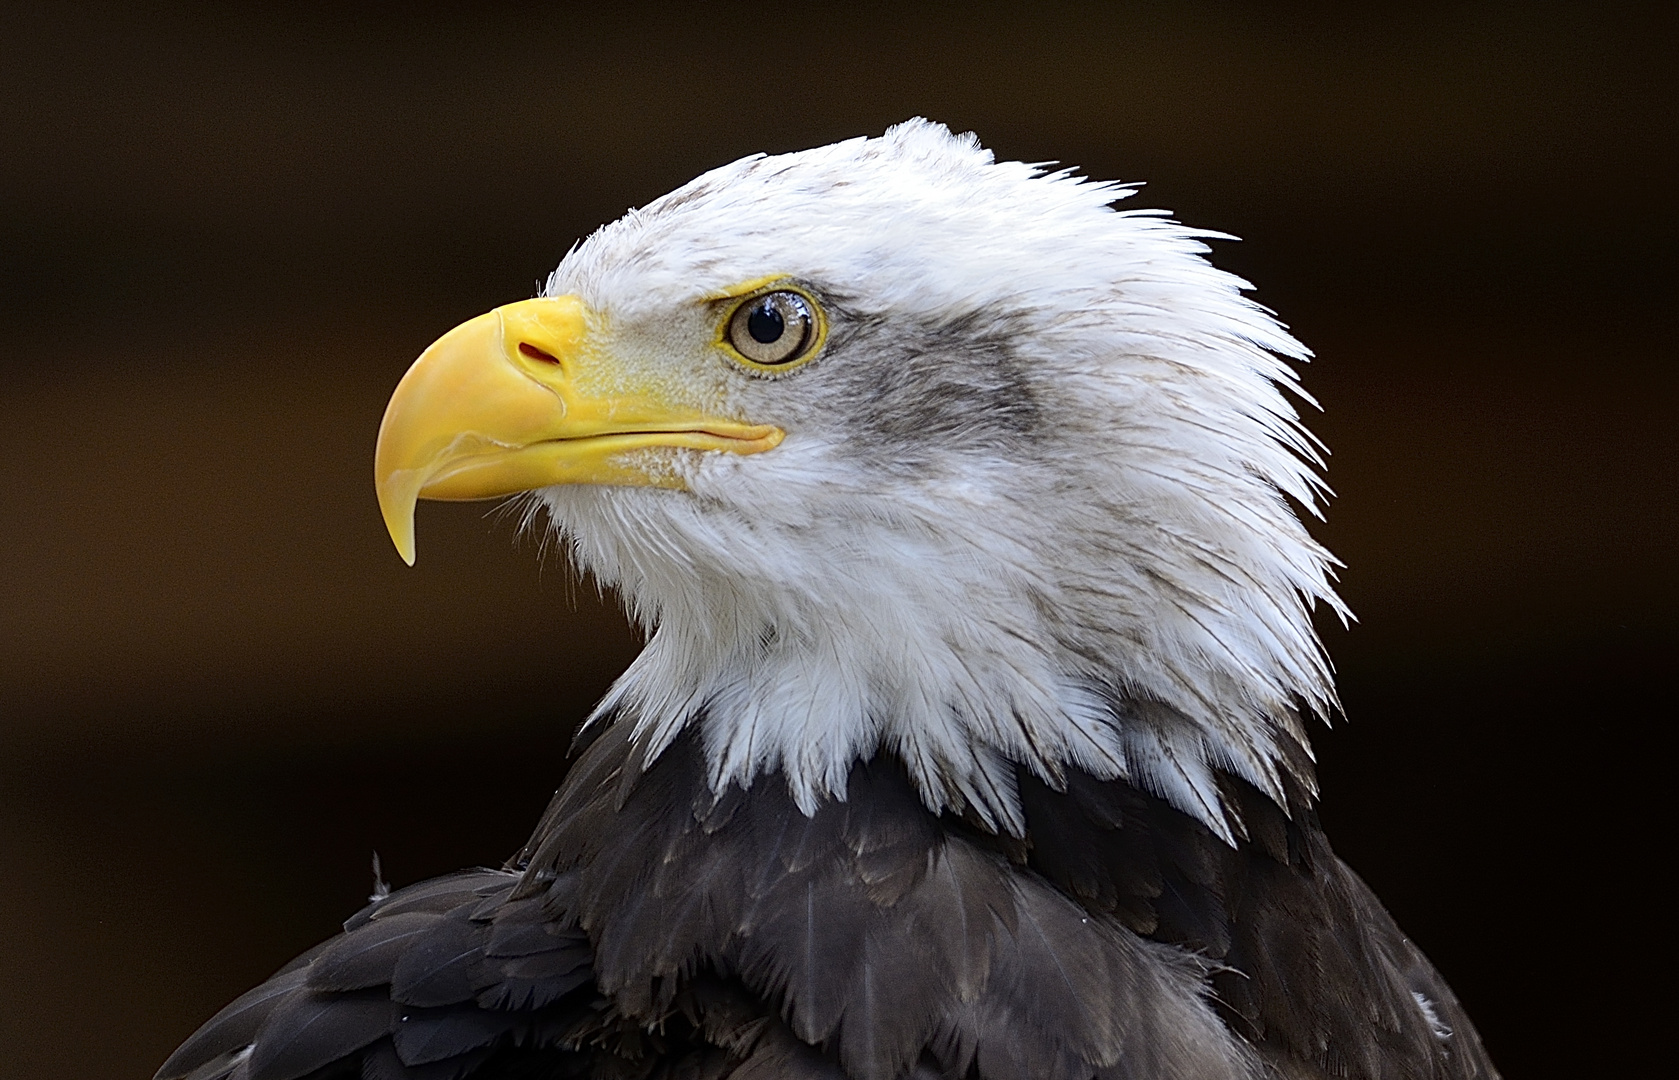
(495, 407)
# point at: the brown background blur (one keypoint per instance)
(223, 237)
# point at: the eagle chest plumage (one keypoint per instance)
(650, 928)
(967, 742)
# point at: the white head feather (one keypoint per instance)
(1031, 503)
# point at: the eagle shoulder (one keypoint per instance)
(430, 981)
(1310, 969)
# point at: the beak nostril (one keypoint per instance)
(535, 353)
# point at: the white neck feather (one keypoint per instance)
(1116, 584)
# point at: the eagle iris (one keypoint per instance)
(773, 329)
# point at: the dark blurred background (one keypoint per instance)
(224, 233)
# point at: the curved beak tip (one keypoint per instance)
(397, 508)
(402, 535)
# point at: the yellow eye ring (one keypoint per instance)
(773, 330)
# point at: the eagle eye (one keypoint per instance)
(774, 329)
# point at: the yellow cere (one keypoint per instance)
(525, 397)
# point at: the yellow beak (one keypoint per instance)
(495, 407)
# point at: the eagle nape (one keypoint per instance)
(969, 738)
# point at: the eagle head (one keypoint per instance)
(891, 446)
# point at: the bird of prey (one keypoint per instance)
(968, 741)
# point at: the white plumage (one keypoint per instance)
(1116, 580)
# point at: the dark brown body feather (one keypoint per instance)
(649, 929)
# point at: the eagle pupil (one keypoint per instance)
(766, 324)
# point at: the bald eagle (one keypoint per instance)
(968, 739)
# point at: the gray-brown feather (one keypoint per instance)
(652, 929)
